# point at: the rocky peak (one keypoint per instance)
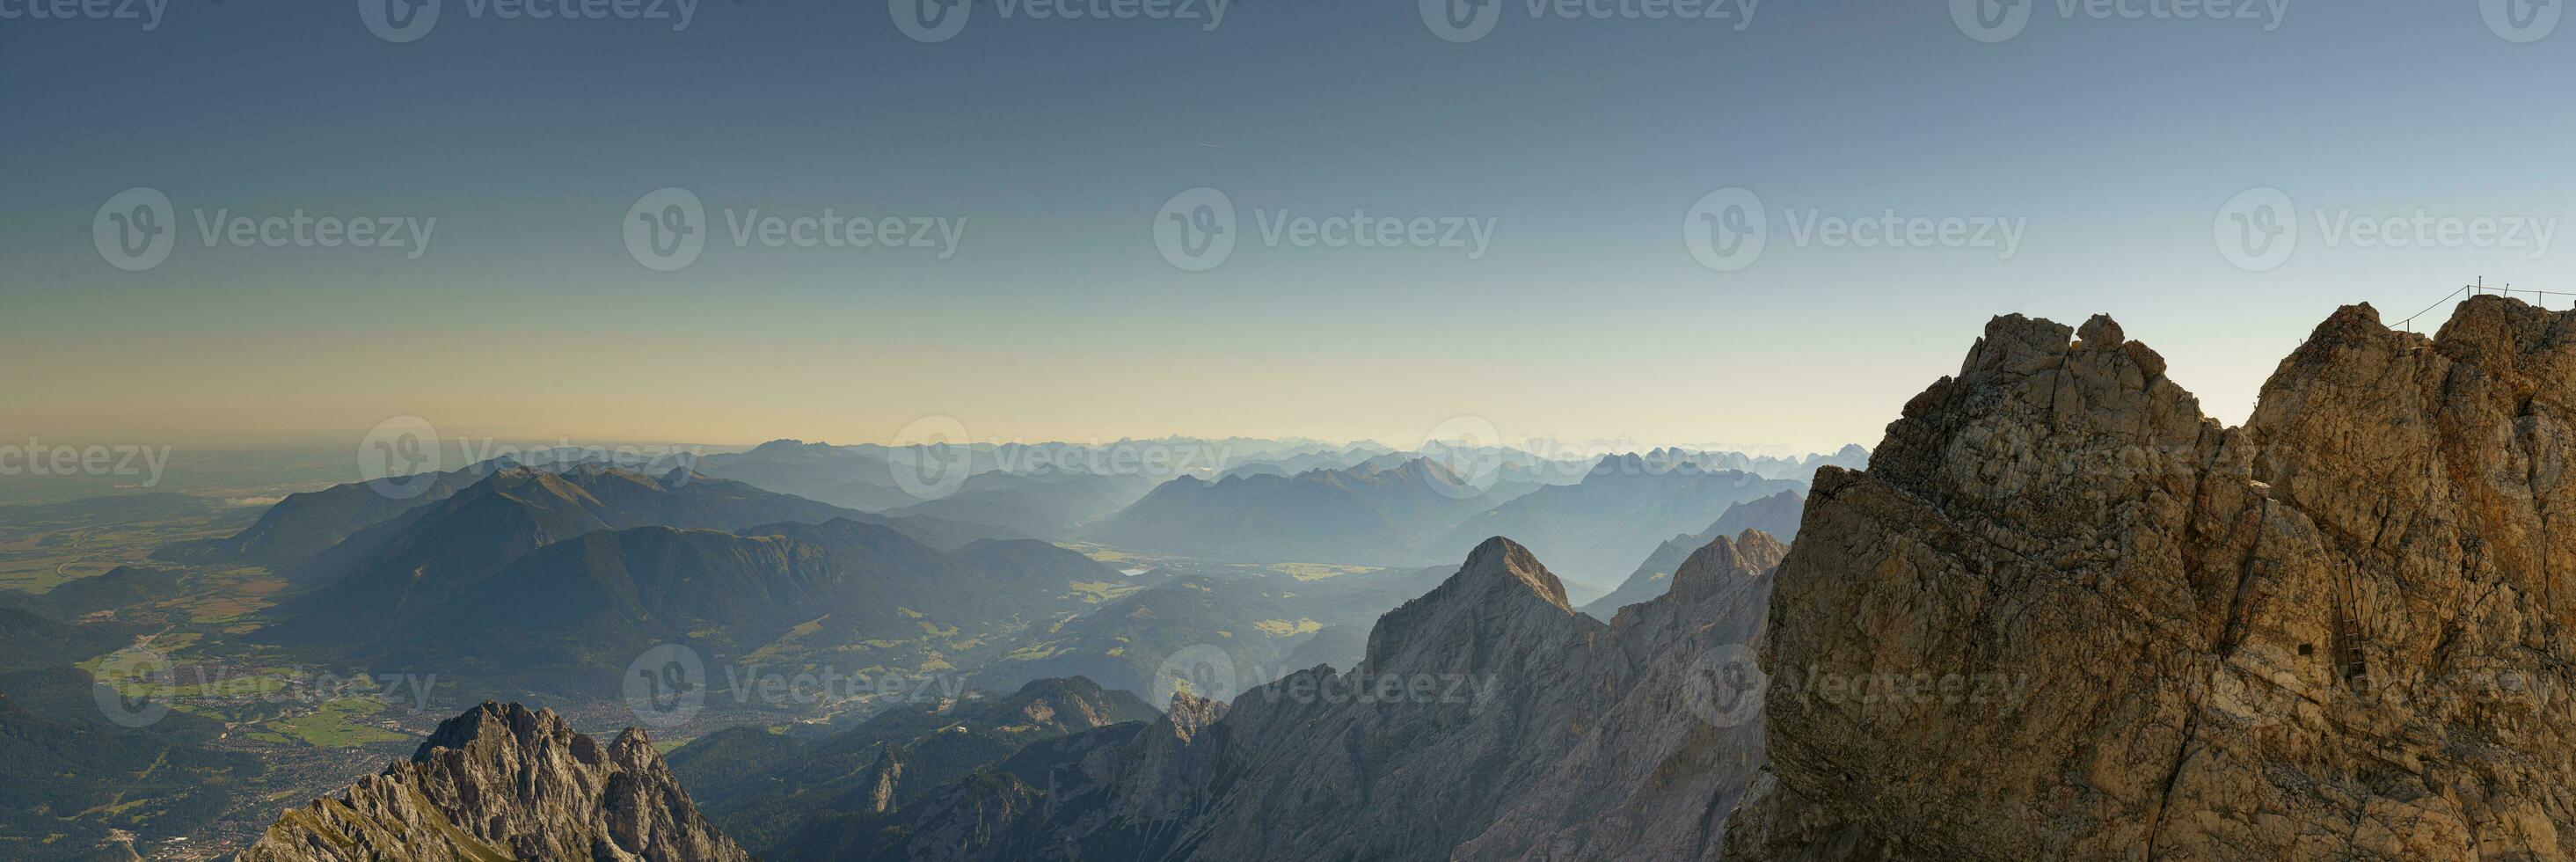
(1500, 564)
(2339, 631)
(1718, 564)
(878, 780)
(1501, 595)
(505, 781)
(1190, 714)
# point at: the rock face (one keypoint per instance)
(1490, 720)
(2064, 615)
(505, 782)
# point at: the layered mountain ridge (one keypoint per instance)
(1450, 740)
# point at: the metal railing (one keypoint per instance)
(2481, 288)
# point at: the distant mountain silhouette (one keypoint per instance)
(1595, 531)
(430, 554)
(1375, 513)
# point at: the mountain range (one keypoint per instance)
(1375, 513)
(2061, 614)
(1596, 530)
(1776, 515)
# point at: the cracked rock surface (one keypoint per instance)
(506, 782)
(2338, 632)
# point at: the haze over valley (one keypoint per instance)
(1214, 431)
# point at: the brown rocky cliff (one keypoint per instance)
(505, 782)
(2338, 632)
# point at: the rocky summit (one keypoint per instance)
(506, 782)
(2064, 615)
(1490, 720)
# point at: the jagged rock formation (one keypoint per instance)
(506, 782)
(1776, 515)
(2339, 632)
(1490, 720)
(1661, 761)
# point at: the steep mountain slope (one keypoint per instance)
(506, 782)
(304, 524)
(1451, 740)
(2339, 632)
(563, 619)
(1775, 515)
(1596, 531)
(790, 798)
(120, 587)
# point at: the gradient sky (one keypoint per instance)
(1585, 141)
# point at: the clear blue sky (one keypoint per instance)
(2114, 141)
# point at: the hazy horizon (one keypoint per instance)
(1033, 298)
